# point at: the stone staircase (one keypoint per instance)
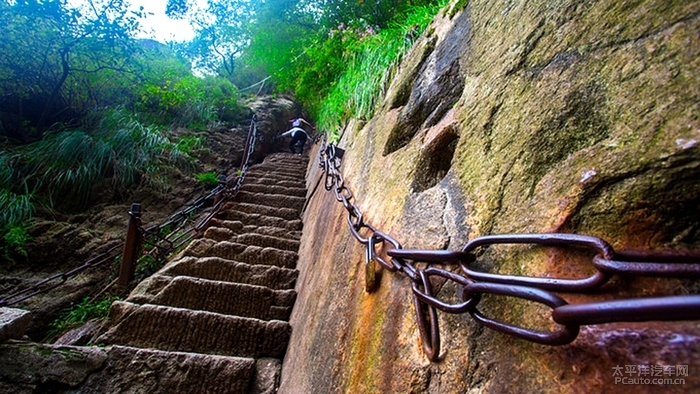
(215, 319)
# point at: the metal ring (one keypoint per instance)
(468, 305)
(427, 323)
(556, 284)
(565, 335)
(393, 265)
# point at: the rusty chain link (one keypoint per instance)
(165, 237)
(474, 284)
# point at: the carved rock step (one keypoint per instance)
(237, 227)
(271, 200)
(290, 170)
(282, 183)
(217, 268)
(259, 219)
(252, 239)
(254, 255)
(184, 330)
(156, 371)
(273, 174)
(273, 189)
(227, 298)
(288, 164)
(280, 212)
(285, 157)
(265, 180)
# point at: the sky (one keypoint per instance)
(158, 26)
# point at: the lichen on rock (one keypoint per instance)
(573, 117)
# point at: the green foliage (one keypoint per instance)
(208, 178)
(146, 266)
(221, 31)
(70, 163)
(14, 241)
(120, 152)
(190, 101)
(371, 61)
(187, 144)
(17, 208)
(337, 64)
(88, 309)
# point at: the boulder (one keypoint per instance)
(13, 323)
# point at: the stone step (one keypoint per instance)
(184, 330)
(280, 212)
(282, 183)
(274, 176)
(237, 227)
(252, 239)
(137, 370)
(271, 200)
(293, 162)
(259, 219)
(283, 167)
(249, 254)
(226, 298)
(263, 178)
(273, 189)
(217, 268)
(289, 169)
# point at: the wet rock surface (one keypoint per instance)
(572, 117)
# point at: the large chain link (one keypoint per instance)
(606, 262)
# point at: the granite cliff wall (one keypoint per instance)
(511, 117)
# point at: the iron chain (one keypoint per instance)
(56, 280)
(568, 318)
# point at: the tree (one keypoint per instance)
(50, 48)
(221, 32)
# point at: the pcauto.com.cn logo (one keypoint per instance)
(650, 374)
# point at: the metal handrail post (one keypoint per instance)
(132, 246)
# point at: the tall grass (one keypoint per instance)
(371, 66)
(15, 198)
(68, 164)
(16, 208)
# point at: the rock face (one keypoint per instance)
(274, 116)
(512, 117)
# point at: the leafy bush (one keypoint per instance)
(342, 68)
(208, 178)
(120, 153)
(69, 163)
(13, 242)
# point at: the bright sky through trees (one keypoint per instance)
(158, 26)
